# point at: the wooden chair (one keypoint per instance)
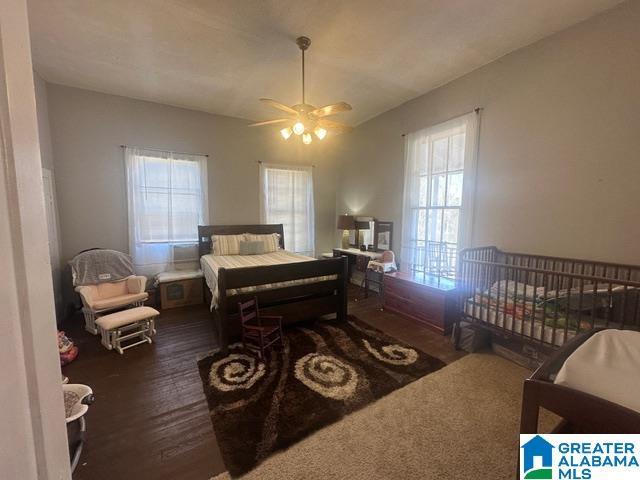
(259, 332)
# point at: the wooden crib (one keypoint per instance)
(545, 301)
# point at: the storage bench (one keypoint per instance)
(181, 288)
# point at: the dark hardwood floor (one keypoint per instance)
(150, 418)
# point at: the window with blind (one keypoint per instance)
(167, 196)
(287, 198)
(439, 182)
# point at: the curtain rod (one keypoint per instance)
(165, 151)
(285, 164)
(477, 110)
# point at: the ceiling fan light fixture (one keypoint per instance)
(308, 120)
(320, 133)
(298, 128)
(286, 133)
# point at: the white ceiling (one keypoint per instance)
(221, 56)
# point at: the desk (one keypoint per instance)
(357, 258)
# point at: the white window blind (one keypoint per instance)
(287, 198)
(440, 164)
(167, 197)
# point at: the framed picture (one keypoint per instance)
(383, 235)
(384, 240)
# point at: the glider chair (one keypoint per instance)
(106, 282)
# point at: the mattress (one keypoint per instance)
(517, 324)
(607, 366)
(533, 312)
(211, 263)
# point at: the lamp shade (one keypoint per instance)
(346, 222)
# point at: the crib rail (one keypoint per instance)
(546, 306)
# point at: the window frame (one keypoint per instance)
(309, 212)
(418, 247)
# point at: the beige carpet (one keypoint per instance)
(459, 422)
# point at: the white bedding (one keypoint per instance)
(211, 263)
(607, 365)
(519, 326)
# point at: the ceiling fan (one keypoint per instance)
(303, 118)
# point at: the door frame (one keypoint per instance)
(33, 443)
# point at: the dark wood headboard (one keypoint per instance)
(205, 232)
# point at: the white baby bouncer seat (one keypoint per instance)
(77, 398)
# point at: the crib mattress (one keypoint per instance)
(520, 326)
(607, 365)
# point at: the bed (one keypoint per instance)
(591, 382)
(285, 283)
(545, 301)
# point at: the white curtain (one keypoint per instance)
(287, 198)
(439, 189)
(167, 198)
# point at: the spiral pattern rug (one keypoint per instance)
(326, 370)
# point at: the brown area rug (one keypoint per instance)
(326, 370)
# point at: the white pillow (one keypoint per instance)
(271, 240)
(226, 244)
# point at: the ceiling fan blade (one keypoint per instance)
(278, 105)
(334, 126)
(270, 122)
(331, 109)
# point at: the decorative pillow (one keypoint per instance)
(271, 241)
(226, 244)
(251, 248)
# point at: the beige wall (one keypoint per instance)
(88, 129)
(559, 154)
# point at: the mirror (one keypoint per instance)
(363, 235)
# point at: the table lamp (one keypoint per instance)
(346, 223)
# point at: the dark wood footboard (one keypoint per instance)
(580, 411)
(294, 303)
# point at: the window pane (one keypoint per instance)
(423, 187)
(451, 227)
(440, 150)
(421, 219)
(434, 225)
(438, 186)
(456, 158)
(288, 193)
(419, 257)
(454, 189)
(184, 217)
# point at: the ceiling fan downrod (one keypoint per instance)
(303, 43)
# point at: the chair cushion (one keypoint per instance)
(126, 317)
(112, 289)
(119, 301)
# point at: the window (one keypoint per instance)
(439, 183)
(287, 198)
(167, 196)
